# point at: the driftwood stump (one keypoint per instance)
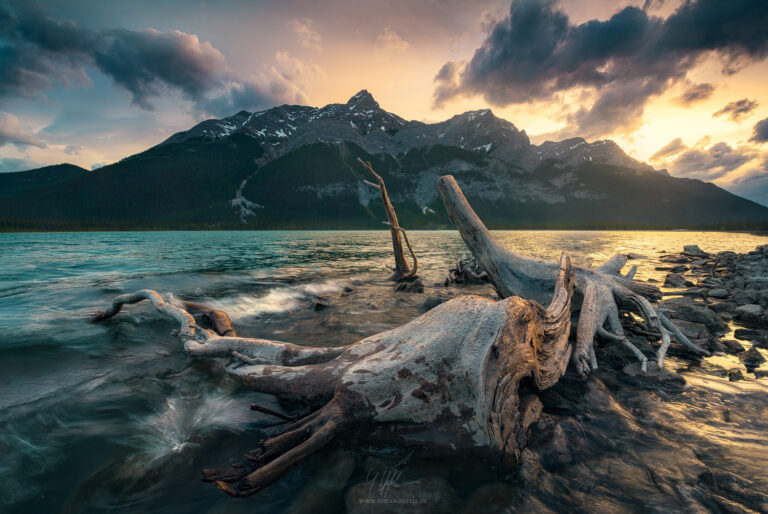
(603, 291)
(402, 270)
(457, 368)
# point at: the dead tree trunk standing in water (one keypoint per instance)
(403, 270)
(455, 370)
(604, 290)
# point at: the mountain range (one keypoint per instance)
(296, 167)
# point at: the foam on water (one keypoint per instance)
(181, 423)
(277, 300)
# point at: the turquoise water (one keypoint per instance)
(116, 417)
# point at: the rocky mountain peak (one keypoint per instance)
(363, 100)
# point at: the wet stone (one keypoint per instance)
(432, 301)
(694, 311)
(675, 280)
(718, 293)
(752, 313)
(690, 329)
(747, 334)
(693, 249)
(732, 346)
(752, 358)
(496, 498)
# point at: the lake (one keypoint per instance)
(116, 417)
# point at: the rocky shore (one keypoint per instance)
(612, 426)
(720, 301)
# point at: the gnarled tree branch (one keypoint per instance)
(604, 290)
(403, 270)
(455, 369)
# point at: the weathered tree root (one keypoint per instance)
(220, 342)
(466, 272)
(455, 369)
(402, 270)
(604, 290)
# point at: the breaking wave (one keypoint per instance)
(277, 300)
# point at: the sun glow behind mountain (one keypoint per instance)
(91, 83)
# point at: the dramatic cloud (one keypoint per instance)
(11, 132)
(674, 147)
(711, 163)
(302, 27)
(737, 110)
(390, 43)
(753, 184)
(144, 62)
(696, 93)
(282, 82)
(536, 52)
(41, 52)
(760, 132)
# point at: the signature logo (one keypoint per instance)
(380, 483)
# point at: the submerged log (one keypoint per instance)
(459, 366)
(604, 291)
(402, 270)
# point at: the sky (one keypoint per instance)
(680, 84)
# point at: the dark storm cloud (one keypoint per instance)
(38, 52)
(760, 132)
(696, 93)
(711, 163)
(673, 147)
(144, 62)
(738, 109)
(536, 52)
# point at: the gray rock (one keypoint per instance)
(714, 345)
(324, 492)
(732, 346)
(725, 316)
(719, 292)
(752, 313)
(694, 311)
(747, 334)
(719, 307)
(752, 358)
(690, 329)
(493, 498)
(674, 280)
(632, 255)
(693, 249)
(743, 298)
(735, 374)
(431, 302)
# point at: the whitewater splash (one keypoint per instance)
(182, 422)
(276, 301)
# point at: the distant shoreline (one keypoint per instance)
(735, 230)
